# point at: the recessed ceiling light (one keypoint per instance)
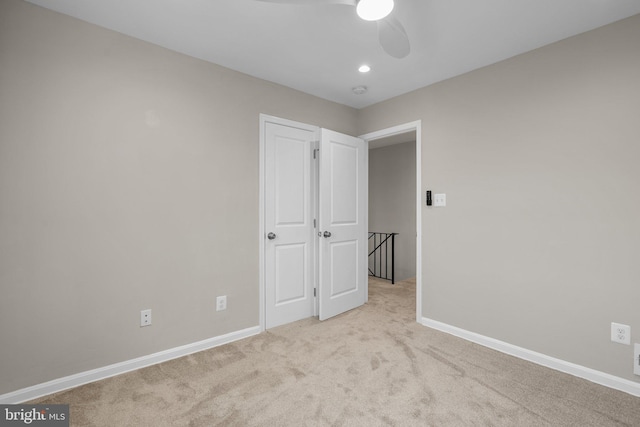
(364, 69)
(359, 90)
(373, 10)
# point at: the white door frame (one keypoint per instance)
(395, 130)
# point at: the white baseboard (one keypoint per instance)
(75, 380)
(592, 375)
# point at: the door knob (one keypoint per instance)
(271, 236)
(327, 234)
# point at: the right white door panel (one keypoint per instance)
(343, 217)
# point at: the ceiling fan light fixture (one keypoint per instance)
(374, 10)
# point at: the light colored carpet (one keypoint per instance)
(373, 366)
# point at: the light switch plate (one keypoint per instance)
(440, 200)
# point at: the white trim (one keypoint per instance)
(395, 130)
(60, 384)
(366, 218)
(589, 374)
(264, 119)
(315, 208)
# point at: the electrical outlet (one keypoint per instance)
(620, 333)
(145, 317)
(636, 359)
(221, 303)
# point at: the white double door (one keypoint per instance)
(315, 222)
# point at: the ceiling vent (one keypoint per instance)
(359, 90)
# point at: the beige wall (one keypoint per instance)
(128, 180)
(392, 201)
(538, 155)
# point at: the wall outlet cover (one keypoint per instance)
(620, 333)
(145, 317)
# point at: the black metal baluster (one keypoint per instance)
(393, 259)
(379, 252)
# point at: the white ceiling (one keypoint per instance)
(318, 48)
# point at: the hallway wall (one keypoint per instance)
(392, 201)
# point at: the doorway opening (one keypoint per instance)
(394, 202)
(392, 217)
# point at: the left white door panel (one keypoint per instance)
(289, 251)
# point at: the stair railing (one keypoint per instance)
(381, 260)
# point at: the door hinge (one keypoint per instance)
(315, 151)
(314, 223)
(314, 292)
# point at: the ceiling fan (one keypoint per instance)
(391, 34)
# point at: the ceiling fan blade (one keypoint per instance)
(393, 38)
(311, 2)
